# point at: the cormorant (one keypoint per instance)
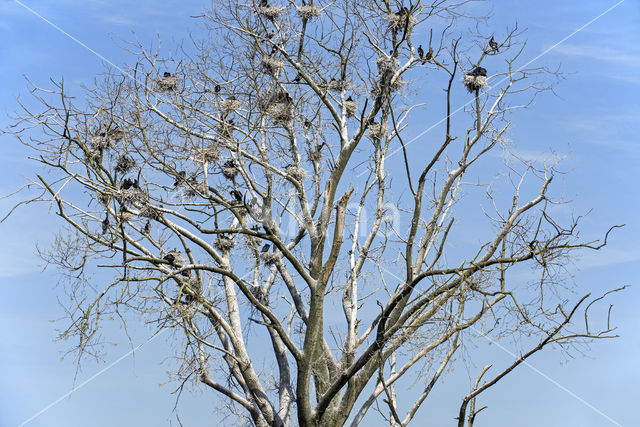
(421, 52)
(236, 195)
(174, 258)
(479, 71)
(307, 123)
(230, 164)
(180, 178)
(166, 74)
(147, 228)
(216, 89)
(264, 3)
(493, 45)
(429, 55)
(130, 183)
(105, 225)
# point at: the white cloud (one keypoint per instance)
(600, 53)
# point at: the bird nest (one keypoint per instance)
(195, 189)
(167, 83)
(270, 258)
(150, 212)
(308, 11)
(101, 142)
(104, 198)
(281, 112)
(336, 85)
(398, 21)
(270, 12)
(261, 294)
(377, 130)
(387, 64)
(395, 85)
(231, 104)
(271, 65)
(211, 153)
(174, 258)
(314, 155)
(93, 155)
(473, 82)
(295, 172)
(224, 244)
(133, 195)
(350, 107)
(115, 134)
(230, 172)
(124, 164)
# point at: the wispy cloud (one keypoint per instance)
(625, 57)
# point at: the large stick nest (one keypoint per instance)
(167, 83)
(309, 11)
(270, 12)
(224, 244)
(474, 82)
(231, 104)
(350, 107)
(271, 65)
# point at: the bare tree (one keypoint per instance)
(245, 186)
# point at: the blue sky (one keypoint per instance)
(594, 120)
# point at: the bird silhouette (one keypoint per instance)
(216, 89)
(264, 3)
(307, 123)
(166, 74)
(421, 52)
(236, 195)
(105, 225)
(479, 71)
(265, 248)
(230, 164)
(429, 55)
(493, 45)
(181, 176)
(130, 183)
(174, 258)
(170, 257)
(147, 228)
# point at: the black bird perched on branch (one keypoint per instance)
(105, 225)
(147, 228)
(174, 258)
(307, 123)
(216, 88)
(236, 195)
(428, 56)
(493, 45)
(230, 164)
(181, 176)
(479, 71)
(421, 53)
(265, 248)
(264, 3)
(130, 183)
(166, 74)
